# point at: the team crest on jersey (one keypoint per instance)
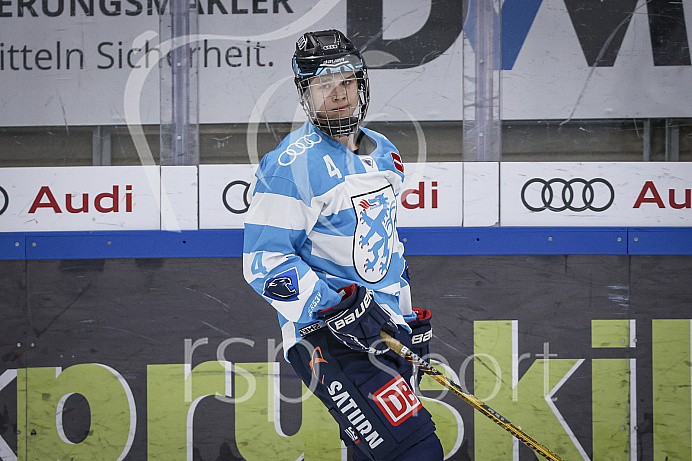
(373, 241)
(283, 287)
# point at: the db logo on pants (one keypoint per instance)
(397, 400)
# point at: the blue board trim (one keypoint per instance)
(418, 241)
(125, 244)
(660, 241)
(514, 240)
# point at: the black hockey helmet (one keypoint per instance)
(330, 54)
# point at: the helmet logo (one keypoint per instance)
(332, 61)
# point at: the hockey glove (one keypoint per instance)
(421, 332)
(357, 320)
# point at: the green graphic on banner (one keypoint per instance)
(257, 438)
(173, 392)
(40, 407)
(449, 426)
(671, 389)
(171, 399)
(610, 333)
(610, 406)
(610, 402)
(526, 402)
(252, 390)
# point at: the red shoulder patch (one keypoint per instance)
(398, 164)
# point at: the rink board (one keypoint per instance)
(93, 356)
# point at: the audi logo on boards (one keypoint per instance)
(575, 194)
(235, 197)
(5, 200)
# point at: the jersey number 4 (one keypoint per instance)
(331, 167)
(257, 266)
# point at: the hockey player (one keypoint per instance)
(321, 246)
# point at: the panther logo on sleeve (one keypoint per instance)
(373, 241)
(283, 287)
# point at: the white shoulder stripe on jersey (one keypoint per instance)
(338, 250)
(334, 200)
(280, 211)
(338, 198)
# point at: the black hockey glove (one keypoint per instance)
(357, 320)
(421, 332)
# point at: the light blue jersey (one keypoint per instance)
(322, 218)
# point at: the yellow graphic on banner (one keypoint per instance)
(253, 393)
(41, 395)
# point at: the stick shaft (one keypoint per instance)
(497, 418)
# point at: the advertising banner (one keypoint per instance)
(431, 195)
(596, 194)
(83, 62)
(178, 359)
(435, 194)
(80, 198)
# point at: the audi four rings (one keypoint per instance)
(237, 186)
(5, 200)
(588, 195)
(298, 147)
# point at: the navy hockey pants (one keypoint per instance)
(378, 413)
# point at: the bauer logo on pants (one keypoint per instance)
(373, 241)
(397, 401)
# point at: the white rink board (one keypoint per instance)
(481, 194)
(213, 196)
(624, 194)
(224, 195)
(179, 198)
(80, 198)
(431, 196)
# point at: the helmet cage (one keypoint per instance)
(322, 62)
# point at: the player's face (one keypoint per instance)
(334, 96)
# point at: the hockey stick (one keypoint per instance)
(500, 420)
